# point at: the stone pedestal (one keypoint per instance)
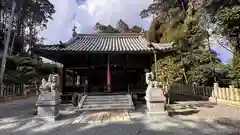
(48, 106)
(155, 101)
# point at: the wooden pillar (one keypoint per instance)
(126, 71)
(151, 63)
(73, 79)
(89, 79)
(63, 79)
(108, 62)
(60, 73)
(88, 89)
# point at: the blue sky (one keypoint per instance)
(85, 13)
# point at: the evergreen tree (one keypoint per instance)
(121, 27)
(226, 14)
(181, 25)
(136, 29)
(29, 16)
(100, 28)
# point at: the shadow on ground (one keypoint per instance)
(182, 97)
(206, 104)
(26, 124)
(139, 126)
(200, 104)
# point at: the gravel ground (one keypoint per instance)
(218, 112)
(16, 119)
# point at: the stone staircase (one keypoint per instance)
(106, 102)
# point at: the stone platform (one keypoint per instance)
(48, 107)
(155, 101)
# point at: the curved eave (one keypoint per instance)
(37, 50)
(107, 43)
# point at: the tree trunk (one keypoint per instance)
(6, 44)
(185, 76)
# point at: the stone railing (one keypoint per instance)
(213, 93)
(230, 94)
(11, 90)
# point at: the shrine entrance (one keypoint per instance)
(122, 77)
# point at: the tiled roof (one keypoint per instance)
(107, 42)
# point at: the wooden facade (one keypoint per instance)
(127, 71)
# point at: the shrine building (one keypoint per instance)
(104, 62)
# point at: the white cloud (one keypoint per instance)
(103, 11)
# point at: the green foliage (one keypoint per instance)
(28, 68)
(165, 31)
(29, 16)
(227, 15)
(155, 31)
(168, 70)
(235, 71)
(38, 11)
(100, 28)
(174, 33)
(161, 9)
(122, 27)
(136, 29)
(192, 61)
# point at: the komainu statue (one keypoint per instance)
(44, 87)
(52, 85)
(154, 96)
(49, 99)
(151, 82)
(149, 78)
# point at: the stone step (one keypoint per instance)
(108, 96)
(104, 105)
(106, 99)
(107, 108)
(105, 102)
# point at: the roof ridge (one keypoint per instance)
(108, 42)
(112, 34)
